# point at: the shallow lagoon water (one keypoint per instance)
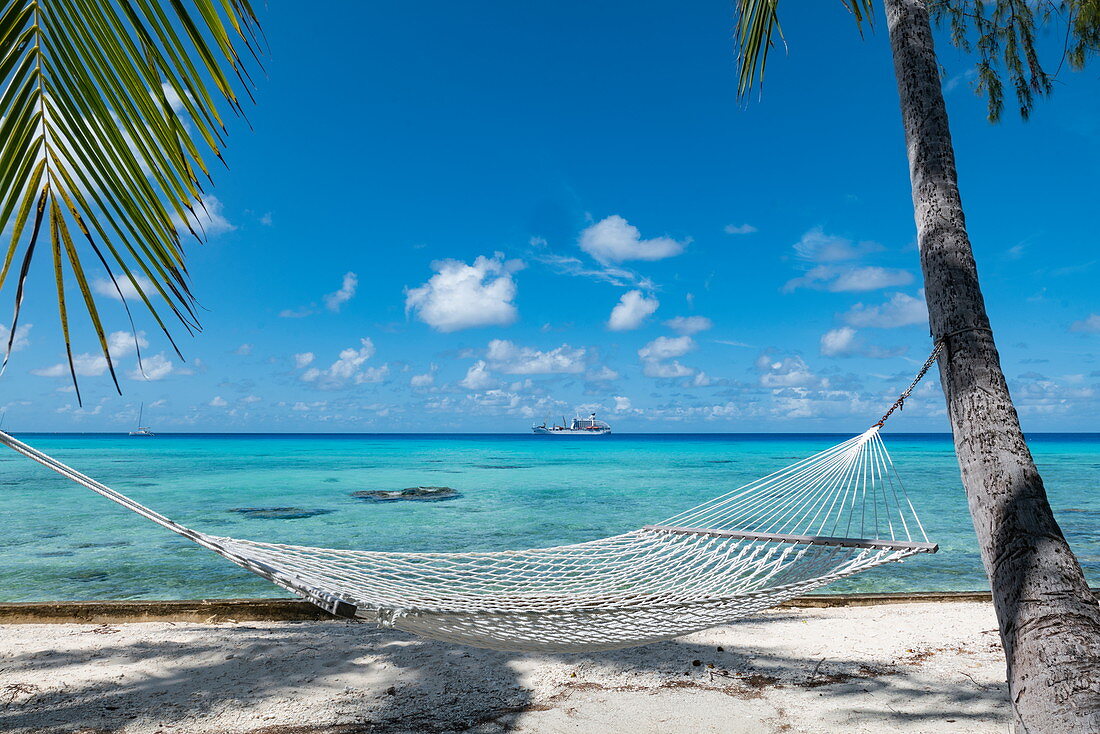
(60, 541)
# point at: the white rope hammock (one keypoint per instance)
(834, 514)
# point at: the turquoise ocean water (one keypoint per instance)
(60, 541)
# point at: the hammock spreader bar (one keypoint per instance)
(807, 539)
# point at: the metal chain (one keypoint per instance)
(900, 402)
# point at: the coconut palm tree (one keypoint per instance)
(1049, 620)
(107, 109)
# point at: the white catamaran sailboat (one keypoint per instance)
(141, 430)
(578, 427)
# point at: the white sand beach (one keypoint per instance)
(928, 667)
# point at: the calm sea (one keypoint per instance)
(60, 541)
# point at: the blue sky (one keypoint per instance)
(469, 218)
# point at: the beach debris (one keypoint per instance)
(279, 513)
(410, 494)
(12, 691)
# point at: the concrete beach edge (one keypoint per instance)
(294, 610)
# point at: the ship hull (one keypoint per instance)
(539, 430)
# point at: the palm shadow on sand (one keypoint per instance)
(383, 681)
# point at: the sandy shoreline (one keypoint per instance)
(895, 668)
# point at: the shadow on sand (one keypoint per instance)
(253, 677)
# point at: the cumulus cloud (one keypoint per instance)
(1090, 325)
(334, 300)
(349, 368)
(603, 374)
(478, 377)
(739, 229)
(834, 268)
(622, 404)
(218, 402)
(614, 240)
(207, 218)
(666, 347)
(786, 372)
(504, 356)
(425, 380)
(107, 287)
(243, 350)
(849, 279)
(461, 296)
(655, 354)
(21, 340)
(653, 368)
(838, 342)
(119, 344)
(85, 365)
(303, 359)
(689, 324)
(631, 311)
(818, 247)
(152, 368)
(899, 310)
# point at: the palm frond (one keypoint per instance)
(756, 26)
(107, 112)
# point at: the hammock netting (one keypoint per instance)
(839, 512)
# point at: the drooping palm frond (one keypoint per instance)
(757, 24)
(107, 111)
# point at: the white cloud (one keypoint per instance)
(85, 365)
(425, 380)
(603, 374)
(461, 296)
(739, 229)
(653, 368)
(478, 377)
(689, 324)
(818, 247)
(218, 402)
(334, 300)
(849, 279)
(243, 350)
(350, 367)
(615, 275)
(250, 399)
(786, 372)
(963, 78)
(173, 98)
(1090, 325)
(207, 218)
(22, 337)
(266, 219)
(123, 343)
(838, 342)
(631, 310)
(900, 310)
(156, 367)
(106, 287)
(665, 347)
(119, 344)
(614, 240)
(622, 404)
(506, 357)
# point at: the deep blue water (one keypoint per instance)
(60, 541)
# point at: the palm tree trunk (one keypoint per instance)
(1049, 620)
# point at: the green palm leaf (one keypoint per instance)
(107, 110)
(758, 24)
